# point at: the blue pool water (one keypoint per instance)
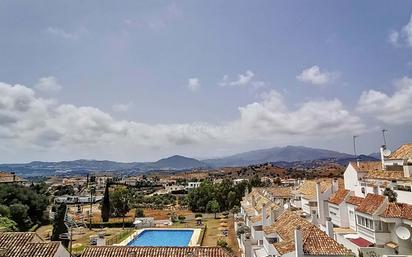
(162, 238)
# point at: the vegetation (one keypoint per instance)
(392, 195)
(222, 243)
(64, 190)
(139, 213)
(58, 222)
(213, 206)
(105, 212)
(226, 194)
(24, 205)
(7, 224)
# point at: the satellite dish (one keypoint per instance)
(285, 206)
(403, 232)
(386, 152)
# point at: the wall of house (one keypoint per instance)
(405, 246)
(404, 197)
(351, 216)
(62, 252)
(334, 214)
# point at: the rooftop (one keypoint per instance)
(143, 251)
(403, 152)
(339, 196)
(370, 203)
(398, 210)
(308, 188)
(26, 244)
(315, 241)
(355, 200)
(366, 166)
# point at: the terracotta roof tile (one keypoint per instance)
(386, 175)
(280, 192)
(308, 188)
(403, 152)
(398, 210)
(315, 241)
(370, 203)
(339, 196)
(27, 244)
(144, 251)
(366, 166)
(355, 200)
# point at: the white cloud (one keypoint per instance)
(393, 38)
(193, 84)
(60, 32)
(394, 109)
(243, 79)
(28, 121)
(121, 107)
(315, 76)
(48, 85)
(402, 37)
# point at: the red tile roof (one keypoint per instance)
(339, 196)
(398, 210)
(27, 244)
(146, 251)
(355, 200)
(403, 152)
(315, 241)
(366, 166)
(370, 203)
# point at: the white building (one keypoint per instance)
(193, 185)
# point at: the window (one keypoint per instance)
(365, 222)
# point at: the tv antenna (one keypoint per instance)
(384, 137)
(354, 149)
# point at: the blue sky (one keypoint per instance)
(140, 80)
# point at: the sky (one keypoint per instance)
(142, 80)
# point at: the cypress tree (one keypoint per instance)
(58, 222)
(106, 204)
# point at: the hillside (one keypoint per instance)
(277, 154)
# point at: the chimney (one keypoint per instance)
(271, 217)
(382, 157)
(314, 218)
(329, 227)
(264, 215)
(298, 242)
(320, 203)
(253, 201)
(407, 170)
(335, 185)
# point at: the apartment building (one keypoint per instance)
(276, 230)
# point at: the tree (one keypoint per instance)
(7, 224)
(213, 206)
(29, 204)
(4, 211)
(181, 218)
(19, 213)
(139, 213)
(105, 212)
(120, 202)
(392, 195)
(58, 222)
(231, 197)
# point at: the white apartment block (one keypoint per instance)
(334, 218)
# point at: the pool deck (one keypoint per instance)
(193, 241)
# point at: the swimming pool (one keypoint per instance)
(149, 237)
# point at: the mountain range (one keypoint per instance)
(287, 154)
